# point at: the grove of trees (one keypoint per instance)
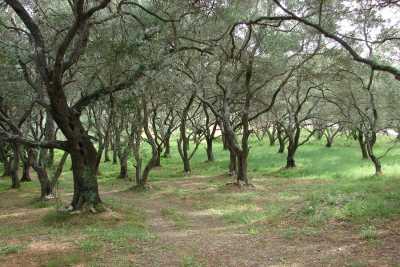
(110, 80)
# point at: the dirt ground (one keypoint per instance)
(206, 239)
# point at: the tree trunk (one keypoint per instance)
(98, 157)
(158, 157)
(271, 136)
(369, 145)
(84, 167)
(319, 134)
(377, 165)
(362, 144)
(7, 168)
(232, 163)
(50, 135)
(281, 139)
(51, 158)
(281, 146)
(26, 173)
(115, 155)
(329, 142)
(123, 163)
(154, 151)
(15, 183)
(145, 175)
(224, 143)
(167, 152)
(290, 162)
(45, 186)
(210, 154)
(116, 146)
(242, 168)
(57, 173)
(106, 153)
(183, 147)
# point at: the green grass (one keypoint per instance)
(368, 232)
(67, 260)
(329, 184)
(7, 249)
(89, 245)
(291, 233)
(190, 261)
(176, 216)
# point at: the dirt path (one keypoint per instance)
(207, 240)
(189, 235)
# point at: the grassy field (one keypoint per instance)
(329, 211)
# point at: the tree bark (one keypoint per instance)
(271, 135)
(281, 139)
(99, 156)
(15, 183)
(158, 159)
(329, 142)
(183, 152)
(210, 153)
(106, 153)
(232, 163)
(242, 168)
(50, 135)
(45, 186)
(7, 168)
(154, 151)
(26, 172)
(377, 165)
(123, 163)
(290, 162)
(361, 142)
(84, 168)
(167, 152)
